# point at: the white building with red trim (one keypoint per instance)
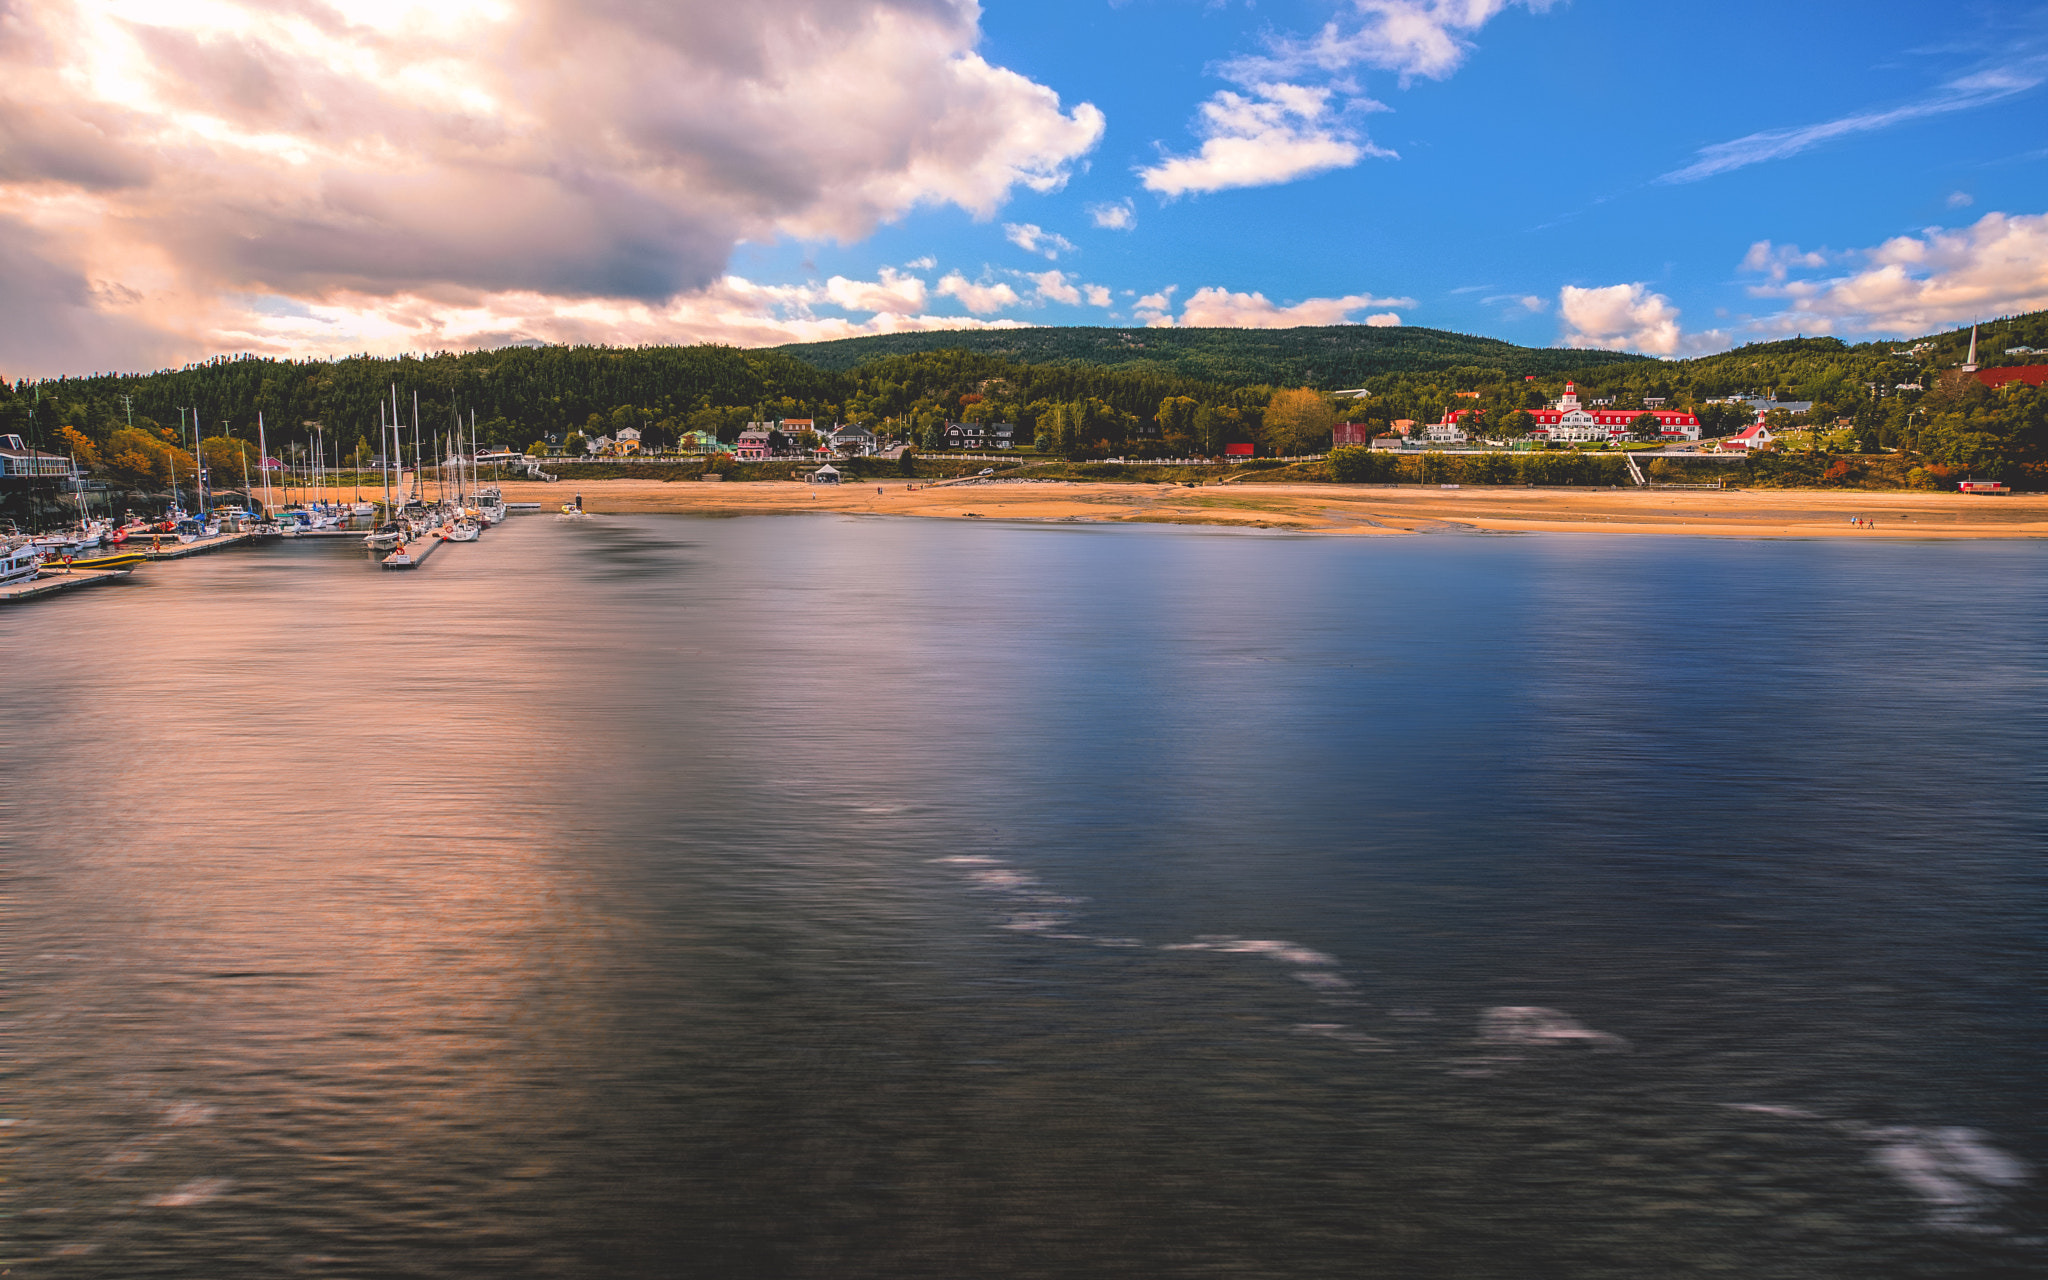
(1569, 420)
(1754, 436)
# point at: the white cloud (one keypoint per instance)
(1628, 317)
(1277, 134)
(1976, 90)
(1120, 216)
(893, 292)
(1765, 258)
(1912, 284)
(1286, 126)
(565, 149)
(1428, 38)
(1960, 200)
(1098, 294)
(978, 298)
(1156, 308)
(926, 263)
(1053, 286)
(1032, 238)
(731, 310)
(1218, 308)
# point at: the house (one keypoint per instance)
(698, 442)
(1446, 432)
(977, 435)
(17, 459)
(1754, 436)
(752, 446)
(1981, 486)
(628, 441)
(794, 427)
(1351, 433)
(853, 441)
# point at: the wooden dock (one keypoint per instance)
(50, 586)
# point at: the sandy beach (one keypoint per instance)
(1348, 509)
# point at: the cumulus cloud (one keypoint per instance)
(1098, 294)
(893, 292)
(1032, 238)
(1978, 89)
(1120, 216)
(1219, 308)
(1765, 258)
(1053, 286)
(1628, 317)
(1275, 133)
(1913, 283)
(1960, 200)
(1286, 125)
(1156, 308)
(979, 298)
(580, 150)
(731, 310)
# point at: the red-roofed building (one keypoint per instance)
(2031, 374)
(1754, 436)
(1568, 420)
(1351, 433)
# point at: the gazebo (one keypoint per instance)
(827, 474)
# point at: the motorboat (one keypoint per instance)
(19, 562)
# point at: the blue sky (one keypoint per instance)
(1546, 159)
(185, 178)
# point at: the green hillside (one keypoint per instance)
(1331, 357)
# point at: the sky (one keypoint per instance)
(181, 179)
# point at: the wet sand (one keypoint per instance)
(1355, 509)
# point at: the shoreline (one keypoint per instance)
(1359, 510)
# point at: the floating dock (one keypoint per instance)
(40, 587)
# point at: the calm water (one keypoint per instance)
(833, 898)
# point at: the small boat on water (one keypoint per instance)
(19, 562)
(119, 560)
(385, 536)
(463, 530)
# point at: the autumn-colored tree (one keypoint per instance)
(1299, 421)
(73, 441)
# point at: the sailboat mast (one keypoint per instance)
(263, 460)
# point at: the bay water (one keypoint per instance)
(835, 897)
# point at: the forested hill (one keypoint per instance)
(1331, 357)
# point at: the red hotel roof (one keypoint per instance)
(2031, 374)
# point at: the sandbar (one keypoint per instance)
(1359, 510)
